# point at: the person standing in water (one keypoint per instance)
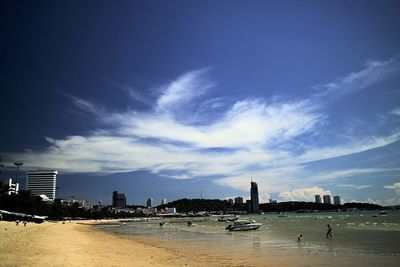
(329, 231)
(299, 238)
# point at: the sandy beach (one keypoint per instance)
(81, 244)
(74, 244)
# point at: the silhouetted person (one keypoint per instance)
(329, 231)
(299, 238)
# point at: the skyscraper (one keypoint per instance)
(164, 201)
(42, 183)
(254, 205)
(318, 199)
(336, 200)
(327, 199)
(118, 200)
(149, 203)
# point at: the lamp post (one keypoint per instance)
(18, 163)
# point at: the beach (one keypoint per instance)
(80, 243)
(74, 244)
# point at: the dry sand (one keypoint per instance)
(73, 244)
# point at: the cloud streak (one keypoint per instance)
(186, 135)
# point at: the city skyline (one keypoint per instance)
(189, 100)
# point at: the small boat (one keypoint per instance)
(228, 218)
(382, 213)
(283, 214)
(243, 225)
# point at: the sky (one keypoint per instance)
(183, 99)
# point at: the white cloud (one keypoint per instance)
(355, 186)
(356, 81)
(359, 146)
(395, 111)
(395, 186)
(234, 141)
(303, 194)
(181, 91)
(333, 175)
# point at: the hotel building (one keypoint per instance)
(318, 199)
(118, 200)
(254, 205)
(336, 200)
(42, 183)
(327, 199)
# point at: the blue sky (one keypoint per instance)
(172, 99)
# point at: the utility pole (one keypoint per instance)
(18, 163)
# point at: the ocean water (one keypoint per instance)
(354, 233)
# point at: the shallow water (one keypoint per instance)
(354, 233)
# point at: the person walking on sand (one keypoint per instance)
(329, 231)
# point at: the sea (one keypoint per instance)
(359, 237)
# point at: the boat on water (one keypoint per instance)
(228, 218)
(243, 225)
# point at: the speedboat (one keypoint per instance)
(243, 225)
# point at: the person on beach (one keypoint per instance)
(189, 223)
(299, 238)
(17, 222)
(329, 231)
(24, 222)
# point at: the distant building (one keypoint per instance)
(42, 183)
(318, 199)
(12, 188)
(70, 202)
(149, 203)
(118, 200)
(238, 200)
(164, 201)
(254, 205)
(230, 201)
(272, 201)
(170, 210)
(327, 199)
(336, 200)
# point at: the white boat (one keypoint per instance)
(243, 225)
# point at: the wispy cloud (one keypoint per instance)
(375, 71)
(334, 175)
(355, 186)
(395, 111)
(185, 134)
(395, 186)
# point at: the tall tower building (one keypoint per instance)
(42, 183)
(149, 203)
(254, 205)
(336, 200)
(118, 200)
(318, 199)
(327, 199)
(164, 201)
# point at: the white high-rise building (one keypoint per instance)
(42, 183)
(327, 199)
(336, 200)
